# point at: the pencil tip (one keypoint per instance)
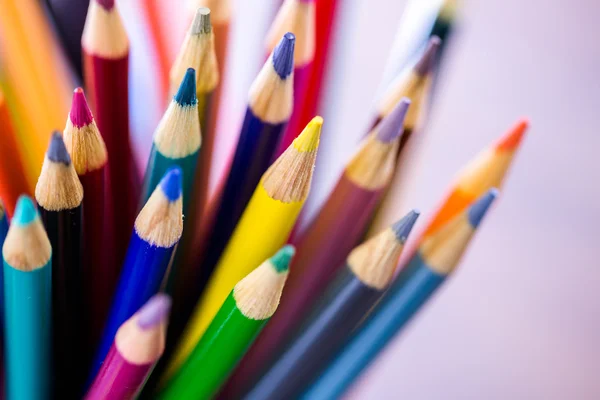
(308, 139)
(513, 137)
(25, 211)
(391, 126)
(80, 113)
(57, 151)
(171, 183)
(201, 23)
(107, 4)
(426, 61)
(186, 94)
(154, 312)
(479, 208)
(281, 259)
(403, 227)
(283, 55)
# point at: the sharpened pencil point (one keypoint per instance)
(154, 311)
(403, 227)
(57, 151)
(107, 4)
(186, 94)
(480, 207)
(25, 211)
(80, 113)
(513, 137)
(308, 140)
(281, 259)
(201, 24)
(171, 183)
(392, 126)
(283, 55)
(425, 63)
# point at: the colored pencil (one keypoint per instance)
(240, 319)
(88, 154)
(156, 233)
(27, 259)
(414, 84)
(59, 195)
(3, 231)
(298, 17)
(176, 141)
(264, 228)
(269, 108)
(13, 181)
(437, 257)
(344, 304)
(105, 63)
(137, 346)
(321, 249)
(69, 18)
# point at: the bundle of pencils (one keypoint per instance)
(89, 272)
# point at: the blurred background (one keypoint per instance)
(520, 318)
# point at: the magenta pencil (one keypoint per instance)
(138, 345)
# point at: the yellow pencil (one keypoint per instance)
(262, 230)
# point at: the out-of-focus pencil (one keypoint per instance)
(438, 256)
(264, 228)
(323, 246)
(13, 181)
(298, 17)
(269, 108)
(88, 154)
(344, 304)
(138, 344)
(156, 233)
(27, 259)
(106, 64)
(59, 195)
(3, 232)
(240, 319)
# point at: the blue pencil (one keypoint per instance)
(3, 232)
(269, 108)
(157, 231)
(435, 259)
(176, 141)
(27, 265)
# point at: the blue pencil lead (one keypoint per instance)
(186, 94)
(283, 55)
(171, 183)
(480, 207)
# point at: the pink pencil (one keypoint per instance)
(138, 345)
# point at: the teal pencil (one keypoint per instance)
(176, 141)
(27, 259)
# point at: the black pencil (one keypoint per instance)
(59, 195)
(346, 301)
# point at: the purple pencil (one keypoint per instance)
(138, 345)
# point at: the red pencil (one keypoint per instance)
(88, 154)
(106, 64)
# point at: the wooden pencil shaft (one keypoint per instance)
(344, 304)
(413, 286)
(216, 354)
(65, 230)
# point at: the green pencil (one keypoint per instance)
(240, 319)
(27, 259)
(176, 141)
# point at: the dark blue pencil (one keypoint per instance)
(269, 108)
(157, 231)
(3, 232)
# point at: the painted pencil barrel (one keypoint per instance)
(3, 232)
(158, 166)
(119, 380)
(28, 301)
(412, 288)
(226, 340)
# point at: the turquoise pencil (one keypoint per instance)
(436, 258)
(176, 141)
(27, 259)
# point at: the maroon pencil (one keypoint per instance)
(106, 63)
(88, 154)
(322, 248)
(138, 345)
